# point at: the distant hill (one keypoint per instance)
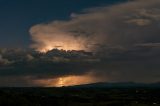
(117, 85)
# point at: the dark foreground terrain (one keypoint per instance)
(77, 96)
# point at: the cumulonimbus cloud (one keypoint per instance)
(125, 39)
(121, 25)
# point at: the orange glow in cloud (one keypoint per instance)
(66, 45)
(45, 42)
(73, 80)
(68, 80)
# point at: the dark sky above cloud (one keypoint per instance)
(121, 39)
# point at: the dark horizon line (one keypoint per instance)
(132, 83)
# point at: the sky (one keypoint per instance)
(59, 43)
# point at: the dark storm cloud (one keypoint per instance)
(123, 39)
(139, 63)
(3, 61)
(29, 66)
(51, 64)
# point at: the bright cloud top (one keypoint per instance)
(121, 25)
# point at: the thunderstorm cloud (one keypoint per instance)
(120, 42)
